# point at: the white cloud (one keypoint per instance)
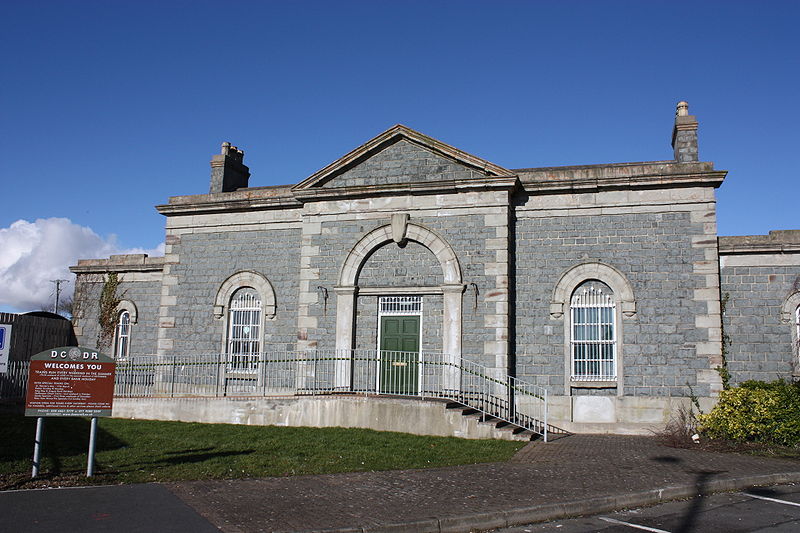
(33, 253)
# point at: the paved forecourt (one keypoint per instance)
(572, 476)
(580, 474)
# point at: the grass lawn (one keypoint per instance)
(136, 451)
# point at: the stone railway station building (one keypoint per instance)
(606, 285)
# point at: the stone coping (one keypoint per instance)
(777, 241)
(119, 263)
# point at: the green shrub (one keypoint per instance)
(756, 411)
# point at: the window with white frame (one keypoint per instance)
(593, 341)
(797, 328)
(122, 339)
(244, 330)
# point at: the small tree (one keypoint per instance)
(65, 306)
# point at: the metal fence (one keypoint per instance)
(298, 373)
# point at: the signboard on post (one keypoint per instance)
(70, 381)
(5, 347)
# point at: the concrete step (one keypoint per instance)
(515, 431)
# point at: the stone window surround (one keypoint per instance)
(130, 307)
(559, 310)
(452, 289)
(125, 306)
(239, 280)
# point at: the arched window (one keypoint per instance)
(122, 339)
(244, 330)
(797, 327)
(593, 341)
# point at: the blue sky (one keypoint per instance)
(110, 108)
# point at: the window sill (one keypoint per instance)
(576, 384)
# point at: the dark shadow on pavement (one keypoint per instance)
(763, 491)
(696, 505)
(666, 459)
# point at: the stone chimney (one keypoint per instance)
(228, 171)
(684, 135)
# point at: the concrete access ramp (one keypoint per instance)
(415, 416)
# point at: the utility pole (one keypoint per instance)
(58, 283)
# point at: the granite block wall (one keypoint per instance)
(402, 162)
(410, 265)
(145, 295)
(758, 344)
(86, 307)
(466, 234)
(206, 260)
(654, 252)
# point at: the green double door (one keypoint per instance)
(399, 354)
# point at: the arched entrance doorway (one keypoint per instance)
(449, 291)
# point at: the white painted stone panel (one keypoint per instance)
(594, 409)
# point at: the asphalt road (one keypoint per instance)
(116, 509)
(755, 510)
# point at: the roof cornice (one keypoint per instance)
(421, 188)
(119, 263)
(227, 205)
(654, 181)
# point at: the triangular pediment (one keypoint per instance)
(401, 156)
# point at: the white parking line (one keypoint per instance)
(637, 526)
(771, 499)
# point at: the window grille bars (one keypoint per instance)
(400, 305)
(593, 336)
(244, 330)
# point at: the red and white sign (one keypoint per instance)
(70, 381)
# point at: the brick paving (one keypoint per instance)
(570, 469)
